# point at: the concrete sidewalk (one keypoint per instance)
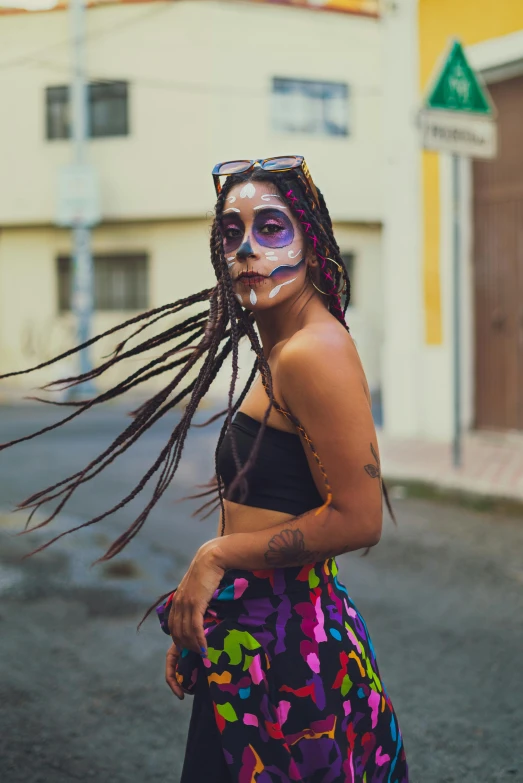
(492, 464)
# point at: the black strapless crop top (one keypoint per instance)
(280, 479)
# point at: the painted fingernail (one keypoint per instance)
(203, 651)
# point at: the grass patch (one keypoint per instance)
(475, 501)
(121, 569)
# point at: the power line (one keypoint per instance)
(191, 87)
(165, 84)
(28, 59)
(155, 83)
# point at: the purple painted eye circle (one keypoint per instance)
(232, 232)
(272, 228)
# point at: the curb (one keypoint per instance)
(425, 489)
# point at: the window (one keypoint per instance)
(120, 282)
(107, 110)
(348, 260)
(319, 108)
(58, 121)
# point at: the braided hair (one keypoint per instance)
(203, 341)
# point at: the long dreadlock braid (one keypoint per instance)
(319, 234)
(217, 330)
(239, 482)
(317, 227)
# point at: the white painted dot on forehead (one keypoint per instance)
(248, 191)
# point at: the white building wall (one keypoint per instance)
(403, 358)
(200, 74)
(32, 330)
(365, 313)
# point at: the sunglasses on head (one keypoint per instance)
(282, 163)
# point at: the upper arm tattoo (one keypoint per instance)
(374, 471)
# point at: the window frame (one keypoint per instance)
(283, 124)
(94, 87)
(64, 282)
(349, 259)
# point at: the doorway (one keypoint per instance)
(498, 269)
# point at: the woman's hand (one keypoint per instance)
(170, 671)
(192, 598)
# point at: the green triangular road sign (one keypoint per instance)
(456, 86)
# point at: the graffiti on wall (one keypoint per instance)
(366, 7)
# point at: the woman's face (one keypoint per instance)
(264, 246)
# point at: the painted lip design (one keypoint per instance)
(251, 278)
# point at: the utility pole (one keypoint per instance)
(82, 291)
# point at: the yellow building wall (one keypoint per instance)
(472, 21)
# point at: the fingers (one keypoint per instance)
(186, 625)
(192, 636)
(199, 635)
(171, 663)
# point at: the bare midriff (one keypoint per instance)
(248, 519)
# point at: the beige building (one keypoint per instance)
(418, 371)
(174, 88)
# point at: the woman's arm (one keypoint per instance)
(322, 383)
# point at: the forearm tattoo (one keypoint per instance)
(288, 547)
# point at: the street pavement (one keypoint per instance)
(82, 694)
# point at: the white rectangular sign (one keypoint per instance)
(78, 198)
(459, 133)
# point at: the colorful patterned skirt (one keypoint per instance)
(293, 680)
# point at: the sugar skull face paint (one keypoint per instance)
(283, 271)
(284, 275)
(232, 231)
(248, 191)
(263, 244)
(271, 228)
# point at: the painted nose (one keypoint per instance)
(245, 250)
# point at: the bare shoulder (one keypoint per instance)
(326, 349)
(321, 380)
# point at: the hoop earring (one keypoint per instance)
(340, 270)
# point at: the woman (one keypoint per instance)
(283, 672)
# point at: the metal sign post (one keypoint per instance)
(78, 203)
(457, 116)
(456, 310)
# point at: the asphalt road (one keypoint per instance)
(82, 695)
